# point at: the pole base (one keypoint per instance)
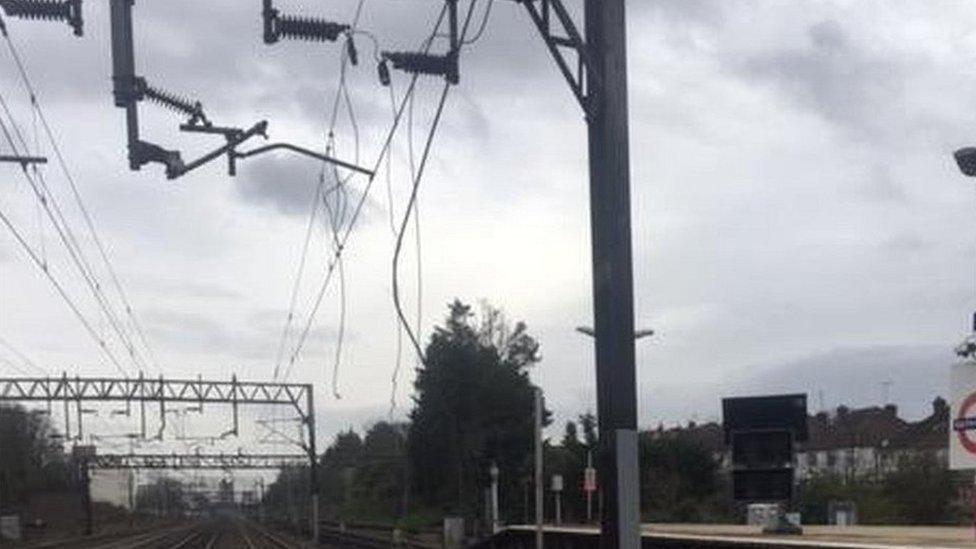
(783, 527)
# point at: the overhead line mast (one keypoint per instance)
(598, 79)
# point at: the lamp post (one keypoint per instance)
(638, 334)
(493, 472)
(966, 160)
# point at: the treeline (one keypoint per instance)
(30, 460)
(473, 407)
(921, 491)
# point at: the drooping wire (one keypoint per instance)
(334, 221)
(414, 337)
(394, 379)
(348, 230)
(406, 218)
(356, 212)
(298, 278)
(342, 92)
(482, 26)
(86, 215)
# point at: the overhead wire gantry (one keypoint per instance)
(144, 390)
(218, 462)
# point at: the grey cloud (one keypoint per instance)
(188, 289)
(907, 242)
(286, 185)
(852, 376)
(881, 186)
(186, 331)
(695, 12)
(835, 77)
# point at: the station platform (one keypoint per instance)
(718, 536)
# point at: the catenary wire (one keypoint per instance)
(23, 357)
(89, 221)
(61, 291)
(47, 200)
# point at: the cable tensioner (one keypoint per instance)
(48, 10)
(277, 26)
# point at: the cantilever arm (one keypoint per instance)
(306, 152)
(228, 148)
(23, 160)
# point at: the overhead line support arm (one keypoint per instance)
(582, 79)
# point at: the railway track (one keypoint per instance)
(369, 536)
(258, 537)
(222, 534)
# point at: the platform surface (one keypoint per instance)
(853, 537)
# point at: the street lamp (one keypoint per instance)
(966, 160)
(493, 473)
(586, 330)
(589, 331)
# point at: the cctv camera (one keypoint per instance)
(966, 159)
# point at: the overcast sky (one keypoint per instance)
(798, 222)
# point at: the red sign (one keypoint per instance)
(589, 480)
(965, 423)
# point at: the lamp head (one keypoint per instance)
(966, 160)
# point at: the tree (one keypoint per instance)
(588, 423)
(679, 479)
(473, 405)
(337, 473)
(165, 498)
(921, 490)
(29, 462)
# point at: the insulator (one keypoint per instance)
(422, 63)
(351, 51)
(384, 73)
(308, 28)
(193, 109)
(49, 10)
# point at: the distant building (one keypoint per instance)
(862, 443)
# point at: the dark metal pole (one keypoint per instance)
(613, 284)
(86, 501)
(124, 73)
(313, 467)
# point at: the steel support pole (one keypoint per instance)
(495, 522)
(124, 72)
(313, 468)
(538, 467)
(613, 284)
(589, 493)
(84, 479)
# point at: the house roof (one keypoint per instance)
(874, 427)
